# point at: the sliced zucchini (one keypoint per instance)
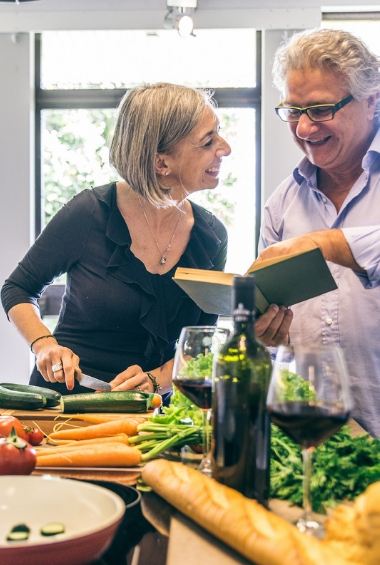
(19, 533)
(52, 396)
(52, 529)
(128, 401)
(21, 400)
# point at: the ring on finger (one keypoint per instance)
(57, 367)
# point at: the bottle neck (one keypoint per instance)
(246, 326)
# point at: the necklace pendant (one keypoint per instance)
(163, 260)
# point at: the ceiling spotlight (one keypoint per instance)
(179, 16)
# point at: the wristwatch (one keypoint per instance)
(156, 385)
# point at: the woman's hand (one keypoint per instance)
(272, 328)
(132, 378)
(51, 356)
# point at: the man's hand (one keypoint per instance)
(272, 328)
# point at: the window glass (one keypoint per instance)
(122, 59)
(366, 30)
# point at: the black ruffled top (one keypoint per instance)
(114, 312)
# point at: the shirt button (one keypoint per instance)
(329, 321)
(324, 199)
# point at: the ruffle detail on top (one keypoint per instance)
(123, 265)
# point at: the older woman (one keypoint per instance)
(120, 245)
(330, 83)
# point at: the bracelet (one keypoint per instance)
(156, 385)
(37, 339)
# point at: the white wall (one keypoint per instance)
(17, 133)
(16, 183)
(279, 153)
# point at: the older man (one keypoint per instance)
(329, 83)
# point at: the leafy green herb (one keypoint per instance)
(198, 367)
(295, 388)
(343, 467)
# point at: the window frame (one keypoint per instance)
(65, 99)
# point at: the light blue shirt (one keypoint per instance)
(349, 316)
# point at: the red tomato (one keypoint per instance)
(35, 435)
(9, 422)
(17, 456)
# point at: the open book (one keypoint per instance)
(283, 280)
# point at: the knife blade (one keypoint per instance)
(91, 382)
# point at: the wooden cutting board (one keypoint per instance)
(48, 418)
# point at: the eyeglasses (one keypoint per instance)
(317, 113)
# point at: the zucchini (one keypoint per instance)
(52, 529)
(52, 396)
(120, 401)
(21, 400)
(19, 533)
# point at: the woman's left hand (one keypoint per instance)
(133, 378)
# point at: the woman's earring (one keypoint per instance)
(167, 172)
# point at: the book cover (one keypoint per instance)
(284, 280)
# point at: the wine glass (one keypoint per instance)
(192, 374)
(309, 399)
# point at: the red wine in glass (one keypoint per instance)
(309, 426)
(198, 391)
(309, 399)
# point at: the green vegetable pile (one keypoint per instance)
(198, 367)
(179, 425)
(343, 467)
(295, 388)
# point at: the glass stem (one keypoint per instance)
(206, 433)
(205, 467)
(307, 456)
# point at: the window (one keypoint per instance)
(81, 77)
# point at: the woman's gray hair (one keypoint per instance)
(330, 50)
(152, 119)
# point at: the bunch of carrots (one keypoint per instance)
(104, 444)
(117, 441)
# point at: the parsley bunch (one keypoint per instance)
(343, 467)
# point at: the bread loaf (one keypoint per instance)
(355, 531)
(243, 524)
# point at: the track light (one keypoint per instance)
(179, 16)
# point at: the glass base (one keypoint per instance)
(205, 467)
(311, 528)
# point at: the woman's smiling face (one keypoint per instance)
(195, 161)
(340, 142)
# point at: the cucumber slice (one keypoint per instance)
(19, 533)
(52, 529)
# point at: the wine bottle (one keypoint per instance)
(241, 426)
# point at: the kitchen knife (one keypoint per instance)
(91, 382)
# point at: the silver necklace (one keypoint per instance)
(163, 254)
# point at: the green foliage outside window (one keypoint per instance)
(75, 146)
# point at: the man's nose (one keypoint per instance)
(306, 126)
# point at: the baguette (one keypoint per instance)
(260, 535)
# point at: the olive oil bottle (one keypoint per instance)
(241, 426)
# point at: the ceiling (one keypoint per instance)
(146, 5)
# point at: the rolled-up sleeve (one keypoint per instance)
(364, 243)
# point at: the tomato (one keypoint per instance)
(9, 422)
(35, 435)
(17, 456)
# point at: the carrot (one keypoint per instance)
(113, 427)
(108, 455)
(73, 447)
(121, 438)
(101, 418)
